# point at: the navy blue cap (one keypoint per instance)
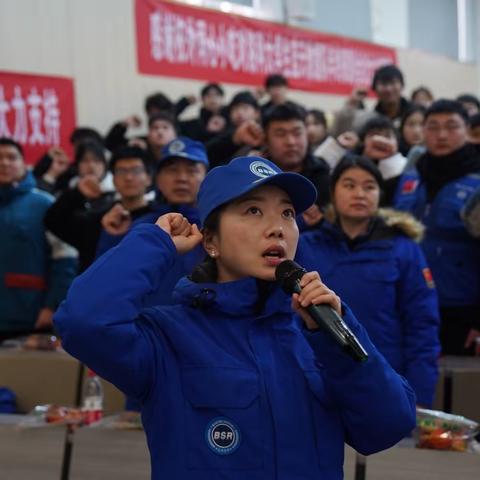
(184, 147)
(243, 174)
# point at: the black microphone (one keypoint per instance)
(288, 275)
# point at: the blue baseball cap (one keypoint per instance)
(243, 174)
(184, 147)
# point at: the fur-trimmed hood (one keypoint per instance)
(401, 222)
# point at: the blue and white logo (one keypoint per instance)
(177, 146)
(223, 436)
(261, 169)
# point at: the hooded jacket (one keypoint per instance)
(385, 280)
(36, 268)
(228, 392)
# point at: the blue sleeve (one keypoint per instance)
(100, 321)
(417, 300)
(377, 406)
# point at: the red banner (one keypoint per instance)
(37, 111)
(189, 42)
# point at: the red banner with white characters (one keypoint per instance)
(37, 111)
(190, 42)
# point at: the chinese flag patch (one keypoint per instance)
(427, 275)
(409, 186)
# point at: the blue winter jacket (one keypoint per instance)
(384, 279)
(228, 392)
(36, 268)
(451, 252)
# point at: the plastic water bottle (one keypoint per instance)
(92, 406)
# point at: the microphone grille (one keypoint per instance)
(287, 274)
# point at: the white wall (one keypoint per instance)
(93, 41)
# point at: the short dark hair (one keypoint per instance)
(158, 101)
(386, 74)
(276, 80)
(421, 89)
(444, 105)
(165, 116)
(243, 98)
(378, 122)
(83, 134)
(469, 98)
(212, 86)
(282, 113)
(319, 116)
(474, 121)
(130, 152)
(9, 142)
(351, 160)
(92, 147)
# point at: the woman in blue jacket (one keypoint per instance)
(371, 259)
(231, 385)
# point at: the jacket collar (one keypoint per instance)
(237, 299)
(9, 192)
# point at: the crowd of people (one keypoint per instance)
(393, 231)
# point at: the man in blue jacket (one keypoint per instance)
(436, 193)
(36, 268)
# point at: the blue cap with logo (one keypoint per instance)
(184, 147)
(243, 174)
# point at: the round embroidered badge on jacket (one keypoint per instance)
(223, 436)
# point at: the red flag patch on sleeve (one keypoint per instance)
(427, 275)
(409, 186)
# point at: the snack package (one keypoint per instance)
(44, 415)
(444, 431)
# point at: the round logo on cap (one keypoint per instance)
(223, 436)
(261, 169)
(176, 146)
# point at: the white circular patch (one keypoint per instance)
(261, 169)
(176, 146)
(223, 436)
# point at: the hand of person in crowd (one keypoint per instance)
(117, 220)
(138, 142)
(357, 97)
(184, 235)
(248, 133)
(191, 99)
(348, 140)
(89, 186)
(473, 338)
(314, 292)
(216, 124)
(60, 162)
(133, 121)
(44, 319)
(312, 215)
(259, 93)
(383, 147)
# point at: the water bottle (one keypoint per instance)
(92, 405)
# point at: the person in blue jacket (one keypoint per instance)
(371, 259)
(36, 268)
(231, 384)
(436, 192)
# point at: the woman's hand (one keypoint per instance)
(184, 235)
(314, 292)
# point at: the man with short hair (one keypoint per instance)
(470, 103)
(286, 145)
(445, 178)
(36, 268)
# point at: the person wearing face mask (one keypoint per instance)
(436, 192)
(211, 371)
(372, 259)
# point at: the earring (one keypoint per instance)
(213, 253)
